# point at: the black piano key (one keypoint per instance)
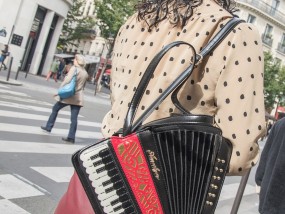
(121, 191)
(105, 160)
(112, 180)
(103, 152)
(123, 206)
(107, 167)
(129, 210)
(121, 198)
(113, 172)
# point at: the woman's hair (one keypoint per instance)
(80, 60)
(155, 11)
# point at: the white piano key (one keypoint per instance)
(107, 201)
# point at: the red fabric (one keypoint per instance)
(75, 200)
(133, 162)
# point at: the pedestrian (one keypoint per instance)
(53, 70)
(75, 102)
(270, 173)
(228, 84)
(61, 68)
(4, 54)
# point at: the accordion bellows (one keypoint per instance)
(182, 172)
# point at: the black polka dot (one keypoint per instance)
(240, 79)
(151, 44)
(228, 101)
(238, 153)
(230, 118)
(225, 84)
(251, 149)
(259, 58)
(142, 43)
(254, 93)
(259, 127)
(245, 114)
(207, 33)
(178, 34)
(145, 59)
(244, 43)
(160, 90)
(197, 34)
(240, 169)
(256, 110)
(252, 163)
(127, 27)
(203, 103)
(142, 30)
(135, 88)
(229, 43)
(234, 136)
(206, 87)
(121, 102)
(233, 46)
(189, 97)
(214, 20)
(252, 76)
(171, 110)
(242, 96)
(182, 61)
(184, 31)
(147, 92)
(247, 131)
(135, 57)
(234, 31)
(224, 58)
(143, 107)
(236, 62)
(171, 59)
(135, 42)
(207, 70)
(164, 73)
(255, 42)
(192, 82)
(130, 71)
(250, 28)
(249, 59)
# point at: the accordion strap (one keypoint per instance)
(129, 127)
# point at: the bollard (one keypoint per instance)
(240, 192)
(9, 69)
(18, 70)
(28, 69)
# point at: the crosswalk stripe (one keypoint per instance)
(36, 130)
(26, 100)
(8, 207)
(57, 174)
(4, 91)
(3, 86)
(12, 114)
(229, 191)
(12, 187)
(38, 147)
(32, 108)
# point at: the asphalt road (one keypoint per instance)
(35, 167)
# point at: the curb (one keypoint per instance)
(16, 83)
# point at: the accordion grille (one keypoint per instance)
(187, 158)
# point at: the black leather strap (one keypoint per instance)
(129, 127)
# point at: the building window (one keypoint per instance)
(267, 37)
(274, 7)
(281, 45)
(251, 18)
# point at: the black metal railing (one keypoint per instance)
(266, 8)
(267, 39)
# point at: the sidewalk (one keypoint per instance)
(40, 83)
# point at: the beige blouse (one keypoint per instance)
(228, 84)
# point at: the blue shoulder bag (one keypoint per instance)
(68, 90)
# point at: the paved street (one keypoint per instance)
(35, 167)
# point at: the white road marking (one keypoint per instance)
(39, 148)
(7, 207)
(5, 127)
(3, 86)
(229, 191)
(13, 114)
(4, 91)
(33, 108)
(27, 100)
(57, 174)
(12, 187)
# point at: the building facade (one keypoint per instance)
(269, 17)
(32, 28)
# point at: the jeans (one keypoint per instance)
(74, 115)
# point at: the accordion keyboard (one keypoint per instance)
(107, 180)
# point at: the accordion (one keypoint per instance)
(169, 168)
(174, 165)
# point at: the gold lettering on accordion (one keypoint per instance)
(152, 158)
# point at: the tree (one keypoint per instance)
(76, 26)
(274, 81)
(112, 14)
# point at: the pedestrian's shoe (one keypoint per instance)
(45, 129)
(68, 140)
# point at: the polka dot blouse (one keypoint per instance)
(228, 84)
